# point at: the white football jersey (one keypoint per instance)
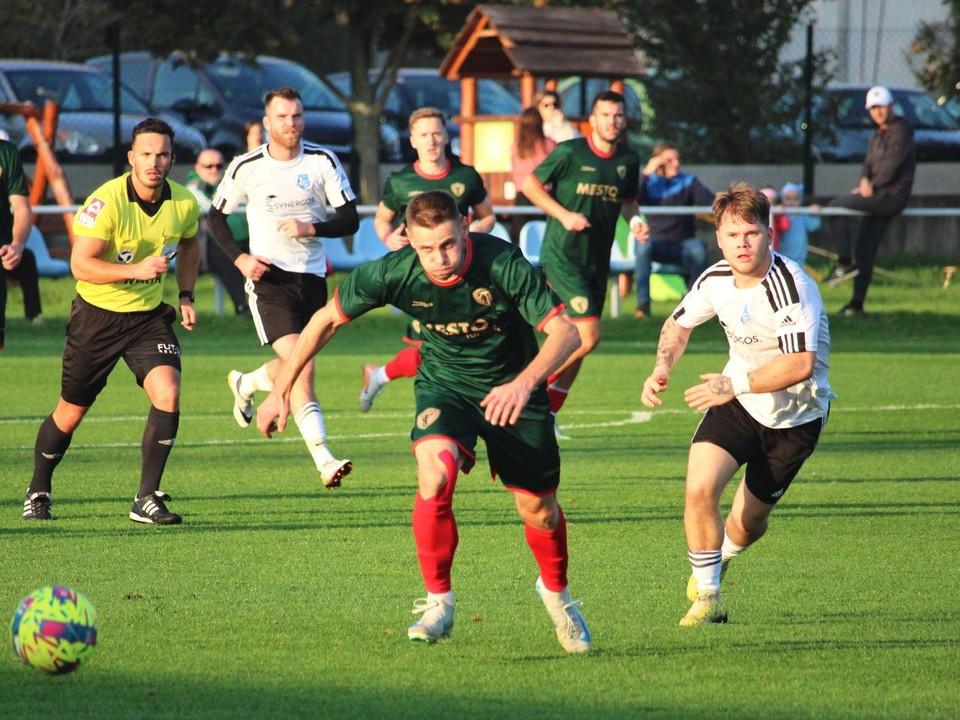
(782, 314)
(305, 188)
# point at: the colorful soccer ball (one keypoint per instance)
(54, 629)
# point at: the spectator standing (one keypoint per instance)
(886, 183)
(768, 407)
(673, 238)
(295, 192)
(202, 181)
(486, 383)
(555, 126)
(15, 224)
(594, 181)
(432, 170)
(795, 238)
(125, 235)
(529, 150)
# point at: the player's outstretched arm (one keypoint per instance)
(273, 412)
(672, 343)
(483, 217)
(778, 374)
(503, 404)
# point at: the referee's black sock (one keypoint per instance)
(51, 445)
(158, 438)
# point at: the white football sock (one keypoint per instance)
(259, 379)
(706, 569)
(309, 420)
(730, 549)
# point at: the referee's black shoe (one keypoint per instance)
(151, 510)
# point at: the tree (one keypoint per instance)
(719, 89)
(936, 54)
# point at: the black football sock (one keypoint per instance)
(158, 438)
(50, 447)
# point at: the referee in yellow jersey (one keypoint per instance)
(126, 235)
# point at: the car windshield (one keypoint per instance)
(917, 108)
(246, 84)
(434, 91)
(75, 90)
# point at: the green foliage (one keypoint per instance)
(276, 598)
(936, 54)
(720, 90)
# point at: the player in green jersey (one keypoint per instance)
(594, 180)
(478, 301)
(433, 170)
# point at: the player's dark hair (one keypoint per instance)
(743, 202)
(432, 208)
(608, 96)
(287, 93)
(155, 126)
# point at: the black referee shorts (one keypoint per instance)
(773, 456)
(97, 339)
(283, 302)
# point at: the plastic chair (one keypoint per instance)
(46, 265)
(501, 232)
(531, 240)
(366, 244)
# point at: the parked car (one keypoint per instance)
(423, 87)
(220, 97)
(85, 123)
(846, 125)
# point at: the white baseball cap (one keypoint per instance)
(878, 95)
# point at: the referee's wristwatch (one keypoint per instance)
(188, 294)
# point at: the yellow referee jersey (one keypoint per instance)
(133, 230)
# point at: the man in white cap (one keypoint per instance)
(886, 181)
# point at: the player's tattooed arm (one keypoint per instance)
(721, 385)
(672, 343)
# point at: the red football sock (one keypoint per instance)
(435, 532)
(550, 551)
(404, 364)
(558, 396)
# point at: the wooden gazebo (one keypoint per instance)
(531, 44)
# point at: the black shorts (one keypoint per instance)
(97, 339)
(773, 456)
(283, 302)
(524, 456)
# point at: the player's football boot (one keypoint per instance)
(572, 630)
(436, 618)
(36, 506)
(707, 608)
(242, 406)
(692, 581)
(370, 388)
(333, 471)
(152, 510)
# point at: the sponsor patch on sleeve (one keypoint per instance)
(88, 215)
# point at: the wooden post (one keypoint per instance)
(468, 111)
(52, 169)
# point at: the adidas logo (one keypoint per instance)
(778, 493)
(52, 456)
(787, 322)
(166, 442)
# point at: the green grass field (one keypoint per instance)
(278, 599)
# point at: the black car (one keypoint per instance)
(85, 122)
(422, 87)
(846, 127)
(220, 97)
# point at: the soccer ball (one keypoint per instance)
(54, 629)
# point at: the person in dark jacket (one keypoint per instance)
(886, 182)
(673, 238)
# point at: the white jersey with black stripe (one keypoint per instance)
(305, 188)
(782, 314)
